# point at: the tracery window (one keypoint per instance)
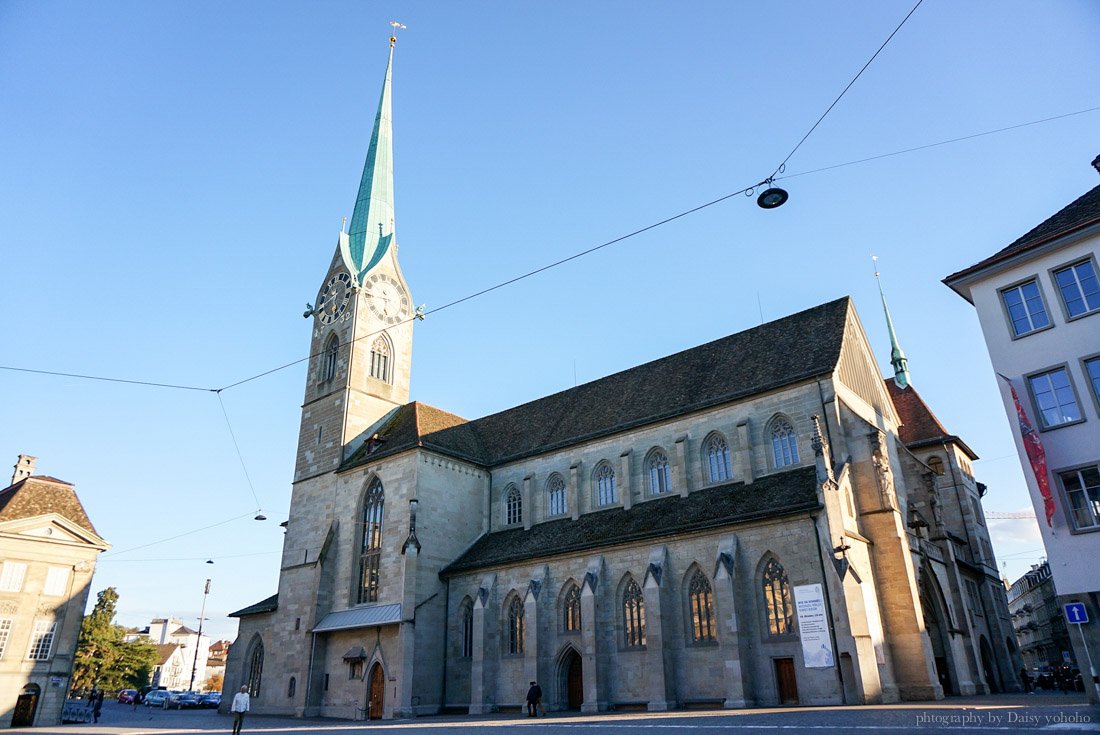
(515, 626)
(717, 452)
(370, 554)
(784, 443)
(571, 609)
(513, 506)
(633, 616)
(256, 667)
(555, 491)
(467, 628)
(332, 352)
(777, 598)
(380, 359)
(660, 481)
(701, 601)
(605, 484)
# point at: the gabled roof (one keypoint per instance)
(271, 604)
(41, 495)
(1078, 214)
(919, 426)
(770, 356)
(771, 496)
(184, 630)
(165, 651)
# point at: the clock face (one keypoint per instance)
(334, 298)
(387, 298)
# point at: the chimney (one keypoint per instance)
(1096, 164)
(24, 468)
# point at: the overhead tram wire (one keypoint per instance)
(57, 374)
(111, 554)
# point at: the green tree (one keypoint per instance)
(103, 658)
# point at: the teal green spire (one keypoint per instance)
(897, 357)
(372, 228)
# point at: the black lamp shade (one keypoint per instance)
(772, 198)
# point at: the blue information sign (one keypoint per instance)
(1076, 612)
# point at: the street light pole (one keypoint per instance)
(198, 643)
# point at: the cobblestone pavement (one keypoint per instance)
(1040, 713)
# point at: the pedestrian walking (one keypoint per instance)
(238, 708)
(97, 705)
(534, 700)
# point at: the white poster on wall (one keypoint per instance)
(813, 626)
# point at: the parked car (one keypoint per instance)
(156, 698)
(181, 700)
(126, 696)
(211, 700)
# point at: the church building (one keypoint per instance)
(749, 522)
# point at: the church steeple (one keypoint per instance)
(372, 222)
(897, 357)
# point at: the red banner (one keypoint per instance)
(1035, 452)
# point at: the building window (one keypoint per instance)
(467, 629)
(513, 506)
(701, 600)
(1025, 308)
(555, 491)
(1079, 287)
(633, 616)
(290, 687)
(380, 359)
(515, 626)
(1082, 488)
(973, 597)
(777, 598)
(42, 640)
(936, 465)
(326, 682)
(5, 635)
(370, 554)
(328, 364)
(256, 667)
(977, 510)
(355, 669)
(718, 458)
(57, 580)
(656, 465)
(605, 484)
(1053, 395)
(1092, 371)
(11, 576)
(784, 443)
(571, 609)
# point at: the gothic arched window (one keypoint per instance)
(784, 443)
(467, 628)
(329, 358)
(656, 465)
(605, 484)
(555, 491)
(380, 359)
(633, 616)
(717, 452)
(777, 598)
(571, 609)
(370, 553)
(701, 601)
(255, 667)
(515, 626)
(513, 506)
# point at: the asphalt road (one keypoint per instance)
(1038, 713)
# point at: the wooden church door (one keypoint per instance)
(377, 685)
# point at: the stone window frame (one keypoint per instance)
(381, 362)
(466, 627)
(291, 687)
(936, 464)
(634, 604)
(779, 440)
(43, 637)
(511, 502)
(700, 613)
(255, 661)
(6, 625)
(1009, 323)
(1064, 496)
(765, 580)
(708, 450)
(372, 516)
(598, 476)
(513, 625)
(13, 574)
(556, 495)
(1039, 418)
(1093, 385)
(569, 608)
(658, 471)
(1090, 259)
(330, 357)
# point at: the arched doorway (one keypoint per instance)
(987, 666)
(376, 688)
(570, 679)
(937, 625)
(26, 706)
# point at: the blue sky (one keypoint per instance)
(174, 176)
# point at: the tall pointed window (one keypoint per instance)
(656, 465)
(329, 358)
(380, 359)
(701, 601)
(633, 616)
(513, 506)
(515, 626)
(370, 554)
(777, 598)
(467, 628)
(555, 493)
(718, 458)
(571, 609)
(255, 667)
(784, 443)
(605, 484)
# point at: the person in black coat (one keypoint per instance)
(534, 700)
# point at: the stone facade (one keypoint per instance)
(1040, 625)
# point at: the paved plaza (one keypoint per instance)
(1038, 713)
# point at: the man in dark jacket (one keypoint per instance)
(534, 700)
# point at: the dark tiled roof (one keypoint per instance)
(763, 358)
(164, 652)
(1080, 213)
(271, 604)
(39, 495)
(769, 497)
(919, 426)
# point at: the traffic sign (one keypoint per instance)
(1076, 612)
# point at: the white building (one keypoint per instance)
(167, 632)
(1038, 301)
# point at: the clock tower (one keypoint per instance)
(362, 323)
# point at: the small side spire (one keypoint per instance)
(897, 357)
